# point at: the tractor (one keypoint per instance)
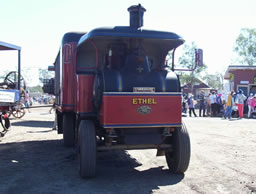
(12, 90)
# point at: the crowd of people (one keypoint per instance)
(219, 105)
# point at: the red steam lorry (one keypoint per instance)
(114, 91)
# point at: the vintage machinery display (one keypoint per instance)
(11, 90)
(114, 91)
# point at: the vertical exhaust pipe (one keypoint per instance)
(136, 16)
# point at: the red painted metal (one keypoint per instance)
(68, 97)
(123, 110)
(4, 108)
(84, 93)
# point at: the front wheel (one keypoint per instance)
(87, 149)
(178, 159)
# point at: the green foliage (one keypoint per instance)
(232, 77)
(245, 46)
(187, 61)
(35, 89)
(45, 74)
(214, 80)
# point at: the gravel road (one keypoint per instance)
(34, 160)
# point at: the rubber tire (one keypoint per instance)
(15, 113)
(68, 129)
(7, 123)
(87, 149)
(59, 122)
(178, 159)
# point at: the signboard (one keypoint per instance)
(199, 57)
(244, 82)
(6, 96)
(143, 89)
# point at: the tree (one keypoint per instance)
(214, 80)
(35, 89)
(245, 46)
(187, 60)
(45, 74)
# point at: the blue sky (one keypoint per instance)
(38, 26)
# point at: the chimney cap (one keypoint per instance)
(136, 16)
(136, 8)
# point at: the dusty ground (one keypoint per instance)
(33, 160)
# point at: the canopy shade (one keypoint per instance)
(8, 46)
(127, 32)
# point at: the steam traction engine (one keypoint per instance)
(114, 91)
(12, 89)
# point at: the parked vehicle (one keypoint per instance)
(114, 91)
(11, 90)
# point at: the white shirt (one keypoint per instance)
(213, 98)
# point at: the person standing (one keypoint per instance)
(240, 98)
(184, 103)
(249, 102)
(53, 105)
(201, 103)
(191, 105)
(230, 102)
(254, 103)
(208, 105)
(27, 100)
(219, 103)
(213, 104)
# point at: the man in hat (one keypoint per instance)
(191, 105)
(201, 103)
(213, 104)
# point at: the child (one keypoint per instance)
(191, 105)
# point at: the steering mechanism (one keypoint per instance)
(11, 80)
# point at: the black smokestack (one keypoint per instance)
(136, 16)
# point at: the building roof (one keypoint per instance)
(8, 46)
(232, 68)
(200, 85)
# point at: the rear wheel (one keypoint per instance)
(178, 159)
(18, 112)
(87, 149)
(59, 120)
(68, 129)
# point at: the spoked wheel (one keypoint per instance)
(178, 159)
(68, 129)
(11, 79)
(18, 112)
(87, 149)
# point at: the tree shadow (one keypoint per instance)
(29, 166)
(29, 123)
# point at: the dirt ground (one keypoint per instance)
(34, 160)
